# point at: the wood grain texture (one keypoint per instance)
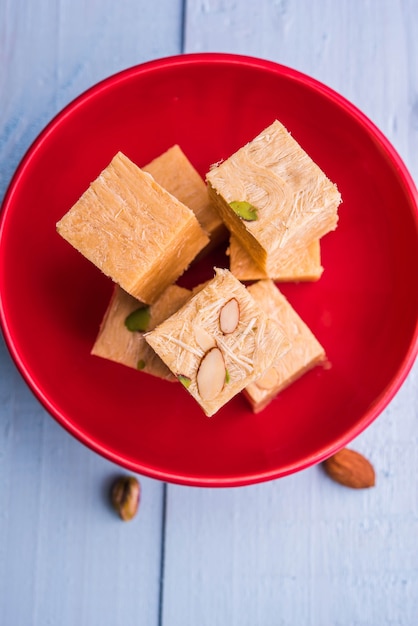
(365, 50)
(65, 558)
(50, 52)
(297, 551)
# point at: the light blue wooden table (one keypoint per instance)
(300, 551)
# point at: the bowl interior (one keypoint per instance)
(363, 309)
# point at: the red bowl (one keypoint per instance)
(364, 309)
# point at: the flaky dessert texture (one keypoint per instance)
(116, 343)
(133, 230)
(305, 350)
(218, 342)
(292, 201)
(173, 171)
(304, 266)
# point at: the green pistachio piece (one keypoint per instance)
(141, 364)
(244, 210)
(185, 380)
(138, 320)
(227, 377)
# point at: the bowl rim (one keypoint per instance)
(170, 62)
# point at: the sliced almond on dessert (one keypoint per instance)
(211, 374)
(203, 339)
(229, 316)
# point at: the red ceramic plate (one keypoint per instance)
(364, 309)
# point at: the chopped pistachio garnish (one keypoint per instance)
(227, 377)
(138, 320)
(141, 364)
(244, 210)
(185, 380)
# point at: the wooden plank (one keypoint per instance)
(50, 52)
(65, 557)
(367, 51)
(304, 550)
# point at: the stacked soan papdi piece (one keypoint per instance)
(143, 227)
(276, 202)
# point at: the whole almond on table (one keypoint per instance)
(351, 469)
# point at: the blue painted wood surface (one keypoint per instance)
(300, 551)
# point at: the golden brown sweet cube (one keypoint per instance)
(306, 266)
(133, 230)
(305, 350)
(173, 171)
(218, 342)
(121, 334)
(273, 198)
